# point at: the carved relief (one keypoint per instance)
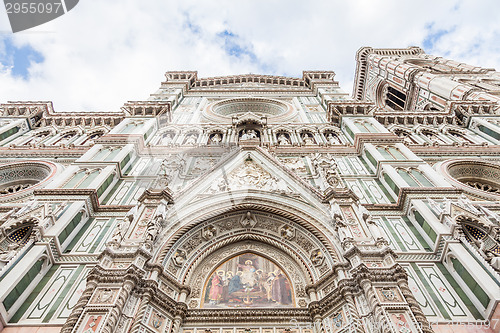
(91, 323)
(104, 296)
(192, 244)
(317, 257)
(249, 176)
(209, 232)
(179, 258)
(389, 294)
(287, 232)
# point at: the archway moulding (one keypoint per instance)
(211, 208)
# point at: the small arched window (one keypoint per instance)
(365, 126)
(414, 177)
(391, 153)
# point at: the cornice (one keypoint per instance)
(407, 193)
(228, 316)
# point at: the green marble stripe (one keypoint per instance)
(130, 191)
(130, 166)
(416, 234)
(34, 294)
(112, 192)
(427, 305)
(365, 164)
(394, 234)
(367, 193)
(101, 235)
(4, 274)
(384, 191)
(78, 237)
(353, 170)
(431, 292)
(61, 296)
(460, 292)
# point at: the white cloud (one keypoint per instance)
(103, 53)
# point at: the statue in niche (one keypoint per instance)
(65, 139)
(167, 139)
(249, 135)
(283, 140)
(37, 139)
(191, 139)
(152, 230)
(331, 139)
(215, 139)
(157, 222)
(105, 296)
(308, 139)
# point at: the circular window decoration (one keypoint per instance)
(20, 179)
(227, 109)
(473, 176)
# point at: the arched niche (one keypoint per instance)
(247, 280)
(292, 274)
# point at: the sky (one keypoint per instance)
(103, 53)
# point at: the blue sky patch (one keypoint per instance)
(234, 47)
(18, 59)
(434, 36)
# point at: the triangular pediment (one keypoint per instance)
(250, 169)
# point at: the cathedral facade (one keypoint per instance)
(259, 204)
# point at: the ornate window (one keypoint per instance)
(395, 99)
(130, 127)
(483, 186)
(106, 154)
(20, 177)
(224, 110)
(475, 177)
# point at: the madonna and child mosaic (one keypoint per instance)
(248, 281)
